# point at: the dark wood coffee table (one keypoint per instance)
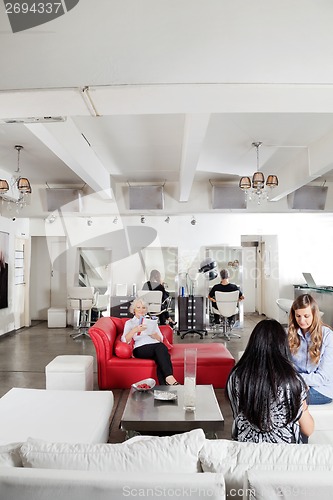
(145, 415)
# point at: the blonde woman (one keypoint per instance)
(311, 346)
(148, 346)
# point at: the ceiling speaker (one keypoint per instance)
(146, 197)
(308, 198)
(228, 197)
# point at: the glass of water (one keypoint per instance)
(190, 372)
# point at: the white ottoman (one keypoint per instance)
(56, 317)
(70, 373)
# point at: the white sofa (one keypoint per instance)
(184, 465)
(57, 415)
(146, 466)
(70, 460)
(309, 485)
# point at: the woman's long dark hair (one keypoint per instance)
(263, 369)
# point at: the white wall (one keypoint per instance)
(16, 228)
(303, 242)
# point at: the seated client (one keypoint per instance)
(266, 394)
(223, 286)
(148, 345)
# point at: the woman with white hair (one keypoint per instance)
(148, 344)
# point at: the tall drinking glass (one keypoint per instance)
(190, 372)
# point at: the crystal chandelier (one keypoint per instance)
(18, 186)
(255, 189)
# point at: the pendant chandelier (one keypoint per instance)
(18, 186)
(255, 189)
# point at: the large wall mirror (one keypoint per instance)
(95, 268)
(227, 258)
(165, 260)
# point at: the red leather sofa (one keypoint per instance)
(214, 361)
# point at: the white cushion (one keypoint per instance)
(233, 459)
(171, 454)
(10, 455)
(323, 419)
(67, 416)
(302, 485)
(51, 484)
(321, 437)
(322, 415)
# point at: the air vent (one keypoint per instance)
(146, 197)
(35, 119)
(228, 197)
(66, 200)
(308, 198)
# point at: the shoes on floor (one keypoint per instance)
(172, 324)
(175, 383)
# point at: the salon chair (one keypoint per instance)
(101, 305)
(226, 303)
(153, 299)
(81, 299)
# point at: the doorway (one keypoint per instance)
(260, 273)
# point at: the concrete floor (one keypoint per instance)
(25, 353)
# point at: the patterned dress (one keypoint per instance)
(281, 431)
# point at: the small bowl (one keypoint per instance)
(149, 381)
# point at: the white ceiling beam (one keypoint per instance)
(170, 99)
(65, 140)
(41, 103)
(321, 155)
(292, 175)
(306, 166)
(212, 98)
(195, 128)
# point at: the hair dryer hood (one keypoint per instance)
(212, 275)
(207, 265)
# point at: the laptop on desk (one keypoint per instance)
(309, 280)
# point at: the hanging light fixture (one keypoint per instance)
(22, 183)
(19, 186)
(256, 187)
